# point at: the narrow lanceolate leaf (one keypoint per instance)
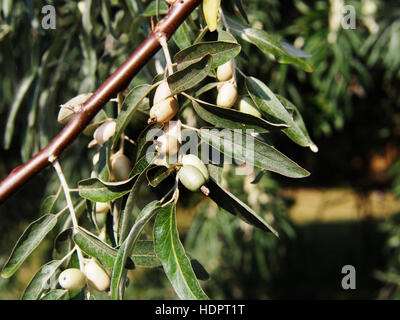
(57, 294)
(19, 97)
(226, 36)
(295, 51)
(100, 191)
(170, 251)
(183, 36)
(44, 279)
(127, 246)
(232, 119)
(144, 255)
(131, 103)
(191, 76)
(221, 52)
(207, 87)
(48, 204)
(155, 9)
(28, 242)
(158, 174)
(95, 248)
(299, 122)
(131, 210)
(235, 206)
(244, 147)
(268, 44)
(270, 106)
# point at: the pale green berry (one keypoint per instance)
(164, 111)
(227, 95)
(105, 131)
(192, 160)
(72, 279)
(120, 167)
(225, 71)
(191, 177)
(164, 107)
(96, 276)
(162, 92)
(246, 105)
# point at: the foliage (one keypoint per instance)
(100, 37)
(49, 67)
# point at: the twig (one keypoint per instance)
(164, 45)
(71, 209)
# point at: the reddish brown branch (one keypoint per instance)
(117, 82)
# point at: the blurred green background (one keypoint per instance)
(345, 213)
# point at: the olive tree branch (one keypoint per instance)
(117, 82)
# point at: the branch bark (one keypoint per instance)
(116, 83)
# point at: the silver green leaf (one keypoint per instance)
(191, 76)
(43, 280)
(226, 200)
(221, 52)
(131, 103)
(246, 148)
(272, 107)
(268, 44)
(176, 263)
(28, 242)
(127, 247)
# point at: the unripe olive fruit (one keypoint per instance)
(105, 131)
(191, 177)
(193, 174)
(192, 160)
(164, 111)
(162, 92)
(120, 167)
(72, 279)
(227, 95)
(246, 105)
(225, 71)
(164, 107)
(96, 276)
(101, 207)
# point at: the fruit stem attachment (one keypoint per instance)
(175, 195)
(189, 127)
(205, 190)
(164, 45)
(64, 184)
